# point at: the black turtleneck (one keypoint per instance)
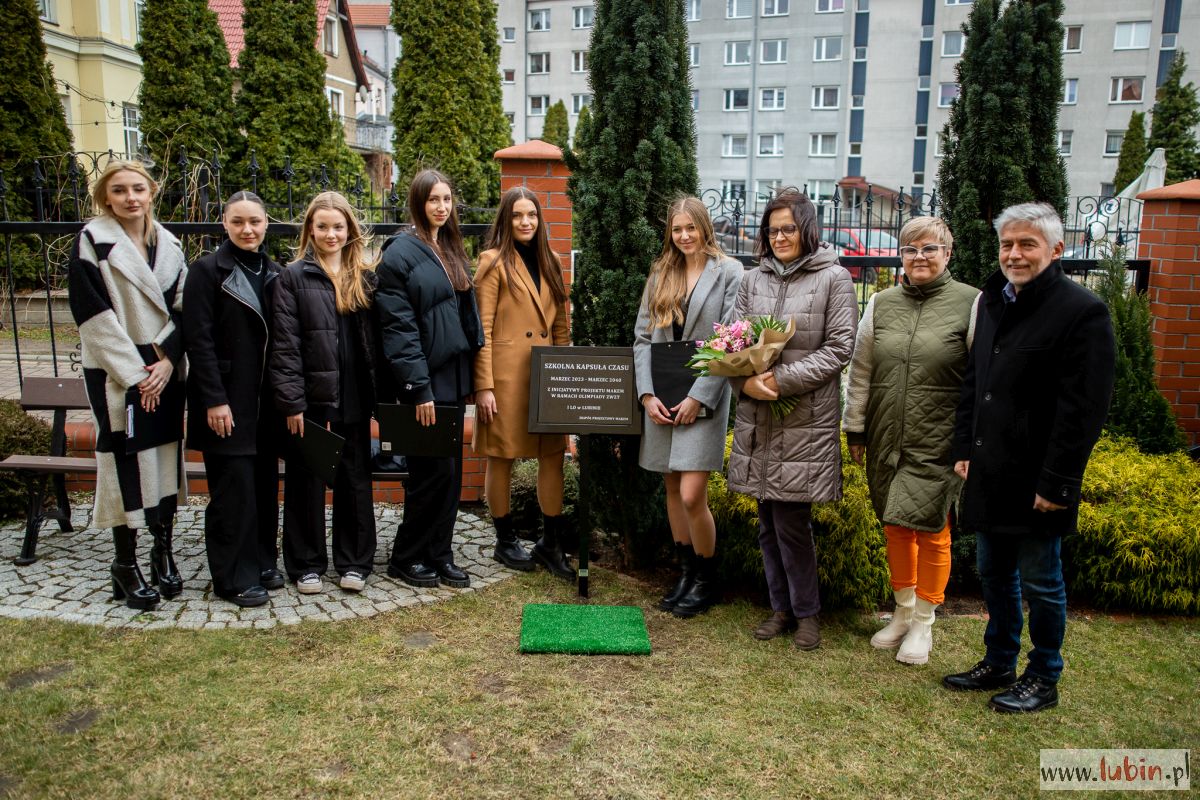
(251, 263)
(529, 257)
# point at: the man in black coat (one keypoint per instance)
(1036, 393)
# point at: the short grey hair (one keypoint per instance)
(1040, 215)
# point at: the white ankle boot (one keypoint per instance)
(919, 641)
(893, 634)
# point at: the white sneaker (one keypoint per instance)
(310, 583)
(353, 582)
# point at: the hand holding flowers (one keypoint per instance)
(745, 347)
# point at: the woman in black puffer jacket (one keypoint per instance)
(322, 371)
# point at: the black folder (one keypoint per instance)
(671, 375)
(320, 450)
(146, 429)
(401, 434)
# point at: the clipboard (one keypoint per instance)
(671, 375)
(148, 429)
(319, 449)
(401, 434)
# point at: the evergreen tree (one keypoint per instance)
(556, 129)
(186, 96)
(1001, 142)
(1134, 153)
(32, 122)
(634, 157)
(1138, 409)
(1173, 126)
(582, 125)
(447, 111)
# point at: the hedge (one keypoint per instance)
(19, 434)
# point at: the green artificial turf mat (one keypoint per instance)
(547, 628)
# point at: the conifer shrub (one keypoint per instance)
(526, 514)
(20, 434)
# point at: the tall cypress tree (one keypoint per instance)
(447, 110)
(557, 127)
(32, 122)
(1173, 127)
(636, 155)
(186, 96)
(1001, 142)
(1134, 152)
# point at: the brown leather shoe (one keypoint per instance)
(808, 634)
(779, 623)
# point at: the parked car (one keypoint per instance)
(863, 242)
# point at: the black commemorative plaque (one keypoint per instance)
(583, 390)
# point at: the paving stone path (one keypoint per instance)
(70, 580)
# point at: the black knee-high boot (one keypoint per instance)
(128, 583)
(163, 571)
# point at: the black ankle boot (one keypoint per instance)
(508, 549)
(687, 573)
(704, 592)
(128, 583)
(548, 550)
(163, 572)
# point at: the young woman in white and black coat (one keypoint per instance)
(322, 371)
(431, 330)
(233, 421)
(125, 281)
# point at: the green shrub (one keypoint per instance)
(19, 434)
(527, 516)
(851, 551)
(1138, 544)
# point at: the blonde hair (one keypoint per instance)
(100, 193)
(920, 227)
(349, 289)
(666, 288)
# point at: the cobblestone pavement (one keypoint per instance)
(70, 580)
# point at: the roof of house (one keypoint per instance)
(372, 15)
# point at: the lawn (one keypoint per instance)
(436, 701)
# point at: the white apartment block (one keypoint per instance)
(841, 92)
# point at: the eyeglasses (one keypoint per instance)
(786, 230)
(928, 251)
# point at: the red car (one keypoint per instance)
(862, 242)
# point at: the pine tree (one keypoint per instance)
(1138, 409)
(638, 153)
(1134, 153)
(1001, 142)
(1173, 126)
(186, 96)
(556, 129)
(582, 125)
(447, 111)
(32, 122)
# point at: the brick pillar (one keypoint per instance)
(1170, 238)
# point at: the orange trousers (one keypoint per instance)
(920, 559)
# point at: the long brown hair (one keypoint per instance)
(449, 243)
(805, 214)
(100, 193)
(349, 288)
(501, 238)
(666, 287)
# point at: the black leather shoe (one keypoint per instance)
(248, 598)
(271, 579)
(687, 563)
(450, 575)
(1030, 693)
(981, 677)
(508, 549)
(704, 592)
(414, 574)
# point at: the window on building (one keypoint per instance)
(508, 76)
(766, 189)
(695, 99)
(693, 10)
(539, 19)
(947, 94)
(855, 148)
(952, 43)
(918, 179)
(775, 8)
(733, 189)
(1064, 143)
(47, 10)
(579, 61)
(774, 51)
(857, 101)
(583, 16)
(737, 53)
(822, 145)
(938, 148)
(735, 9)
(538, 104)
(511, 117)
(1112, 142)
(337, 103)
(863, 5)
(1126, 90)
(827, 48)
(959, 2)
(830, 6)
(509, 35)
(132, 124)
(860, 54)
(1070, 91)
(923, 83)
(773, 99)
(694, 55)
(737, 99)
(1132, 36)
(770, 145)
(579, 102)
(733, 145)
(1168, 41)
(922, 131)
(139, 7)
(926, 33)
(329, 35)
(539, 63)
(826, 96)
(1107, 190)
(1072, 38)
(821, 191)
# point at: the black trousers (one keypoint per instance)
(241, 523)
(431, 496)
(353, 511)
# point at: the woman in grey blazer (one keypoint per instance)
(691, 286)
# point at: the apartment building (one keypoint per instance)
(845, 92)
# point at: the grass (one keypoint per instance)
(367, 708)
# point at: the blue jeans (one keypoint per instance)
(1012, 567)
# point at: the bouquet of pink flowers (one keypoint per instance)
(745, 347)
